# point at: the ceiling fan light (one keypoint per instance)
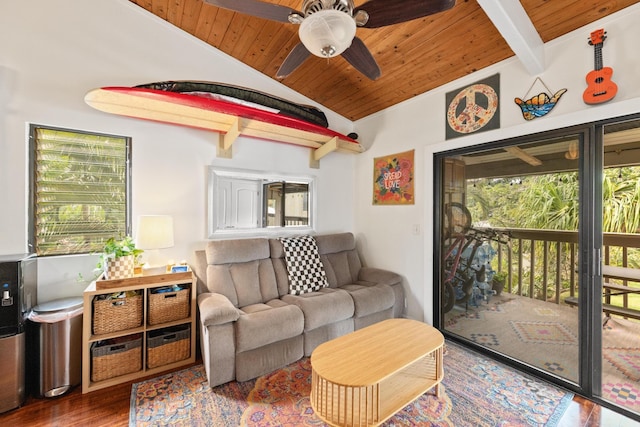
(327, 33)
(572, 154)
(361, 17)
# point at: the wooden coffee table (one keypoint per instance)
(363, 378)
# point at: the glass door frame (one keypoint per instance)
(589, 237)
(590, 261)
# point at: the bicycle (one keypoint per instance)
(457, 221)
(466, 269)
(461, 277)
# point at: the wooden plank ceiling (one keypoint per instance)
(414, 57)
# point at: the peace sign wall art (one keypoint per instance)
(475, 108)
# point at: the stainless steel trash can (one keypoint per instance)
(57, 330)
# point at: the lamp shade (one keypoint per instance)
(327, 33)
(154, 232)
(572, 154)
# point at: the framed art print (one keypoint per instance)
(393, 179)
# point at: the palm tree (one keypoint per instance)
(551, 202)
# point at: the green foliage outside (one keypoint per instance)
(79, 191)
(551, 202)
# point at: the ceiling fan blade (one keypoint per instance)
(295, 58)
(257, 8)
(389, 12)
(359, 56)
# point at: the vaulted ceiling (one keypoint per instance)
(414, 57)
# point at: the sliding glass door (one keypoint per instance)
(619, 382)
(538, 255)
(509, 251)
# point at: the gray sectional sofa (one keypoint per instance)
(250, 323)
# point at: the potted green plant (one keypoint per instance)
(498, 281)
(118, 258)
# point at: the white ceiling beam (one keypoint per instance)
(523, 155)
(514, 24)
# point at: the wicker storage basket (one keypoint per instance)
(168, 345)
(117, 314)
(168, 306)
(115, 359)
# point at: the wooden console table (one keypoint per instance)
(363, 378)
(148, 327)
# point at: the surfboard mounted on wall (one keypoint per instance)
(202, 105)
(244, 96)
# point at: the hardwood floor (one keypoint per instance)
(583, 412)
(110, 407)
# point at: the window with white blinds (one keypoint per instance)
(79, 190)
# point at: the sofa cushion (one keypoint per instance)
(370, 298)
(243, 283)
(236, 250)
(241, 270)
(263, 324)
(339, 257)
(378, 275)
(333, 243)
(306, 273)
(342, 268)
(323, 307)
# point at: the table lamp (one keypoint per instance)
(152, 233)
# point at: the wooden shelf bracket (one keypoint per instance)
(226, 140)
(328, 147)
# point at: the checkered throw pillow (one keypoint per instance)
(305, 270)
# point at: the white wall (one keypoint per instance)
(53, 52)
(419, 124)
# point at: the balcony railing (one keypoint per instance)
(543, 264)
(289, 220)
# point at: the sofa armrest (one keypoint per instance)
(200, 270)
(378, 275)
(216, 309)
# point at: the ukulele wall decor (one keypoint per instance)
(600, 87)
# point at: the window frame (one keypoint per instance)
(284, 186)
(216, 174)
(32, 165)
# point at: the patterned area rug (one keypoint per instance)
(475, 392)
(546, 335)
(543, 332)
(621, 363)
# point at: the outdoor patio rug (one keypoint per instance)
(621, 363)
(475, 392)
(546, 335)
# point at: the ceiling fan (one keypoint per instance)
(328, 27)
